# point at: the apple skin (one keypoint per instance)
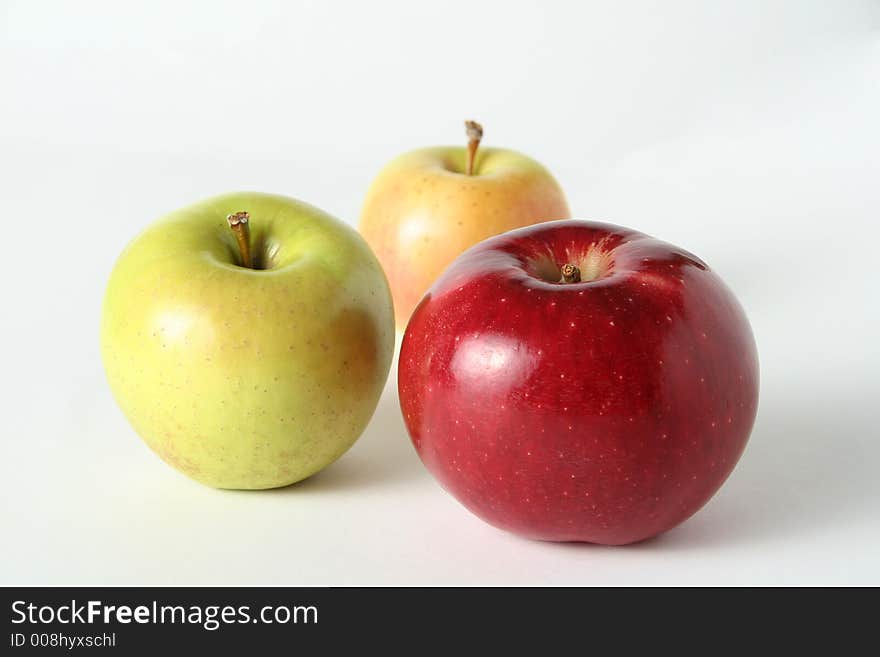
(605, 411)
(244, 378)
(423, 211)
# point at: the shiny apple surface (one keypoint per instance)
(606, 410)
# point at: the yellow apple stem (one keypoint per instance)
(570, 274)
(474, 133)
(238, 222)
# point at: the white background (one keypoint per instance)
(746, 132)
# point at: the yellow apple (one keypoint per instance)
(247, 339)
(428, 206)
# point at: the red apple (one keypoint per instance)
(579, 381)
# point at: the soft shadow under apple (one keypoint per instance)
(810, 466)
(382, 456)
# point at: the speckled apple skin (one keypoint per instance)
(422, 211)
(244, 378)
(605, 411)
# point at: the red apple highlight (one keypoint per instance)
(579, 381)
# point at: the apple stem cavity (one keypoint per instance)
(474, 132)
(570, 274)
(238, 222)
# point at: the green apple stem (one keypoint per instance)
(238, 222)
(474, 133)
(570, 274)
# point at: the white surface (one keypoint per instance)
(746, 132)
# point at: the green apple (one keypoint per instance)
(248, 376)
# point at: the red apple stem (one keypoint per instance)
(238, 222)
(474, 133)
(570, 273)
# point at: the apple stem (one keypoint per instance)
(570, 274)
(474, 132)
(238, 222)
